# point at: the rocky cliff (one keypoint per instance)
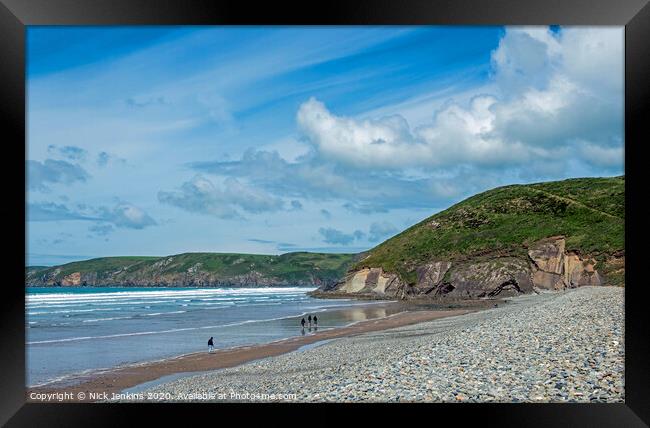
(504, 242)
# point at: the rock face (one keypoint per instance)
(555, 269)
(548, 266)
(368, 281)
(187, 279)
(504, 276)
(73, 279)
(431, 275)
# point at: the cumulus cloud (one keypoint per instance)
(605, 157)
(40, 175)
(337, 237)
(549, 96)
(200, 195)
(386, 141)
(457, 135)
(122, 215)
(573, 92)
(524, 58)
(379, 231)
(126, 215)
(554, 106)
(529, 57)
(312, 178)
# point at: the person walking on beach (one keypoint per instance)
(309, 319)
(302, 322)
(315, 320)
(210, 345)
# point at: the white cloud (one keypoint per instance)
(541, 116)
(200, 195)
(128, 215)
(457, 135)
(577, 92)
(122, 215)
(553, 89)
(361, 191)
(607, 157)
(387, 141)
(594, 56)
(524, 58)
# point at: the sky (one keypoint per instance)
(164, 140)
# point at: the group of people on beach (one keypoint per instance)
(309, 319)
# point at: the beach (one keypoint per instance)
(548, 347)
(552, 347)
(122, 379)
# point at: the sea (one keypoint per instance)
(73, 332)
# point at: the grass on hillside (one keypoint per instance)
(590, 212)
(290, 266)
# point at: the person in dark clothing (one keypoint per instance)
(309, 319)
(315, 320)
(302, 322)
(210, 345)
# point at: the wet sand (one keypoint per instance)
(119, 379)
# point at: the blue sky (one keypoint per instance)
(162, 140)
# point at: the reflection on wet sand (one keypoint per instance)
(361, 314)
(356, 314)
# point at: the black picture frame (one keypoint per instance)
(15, 15)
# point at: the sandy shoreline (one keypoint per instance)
(551, 347)
(120, 379)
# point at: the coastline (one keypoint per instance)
(100, 330)
(548, 348)
(116, 380)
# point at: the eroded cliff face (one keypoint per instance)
(193, 277)
(548, 266)
(197, 279)
(74, 279)
(368, 281)
(554, 268)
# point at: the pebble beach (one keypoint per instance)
(549, 347)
